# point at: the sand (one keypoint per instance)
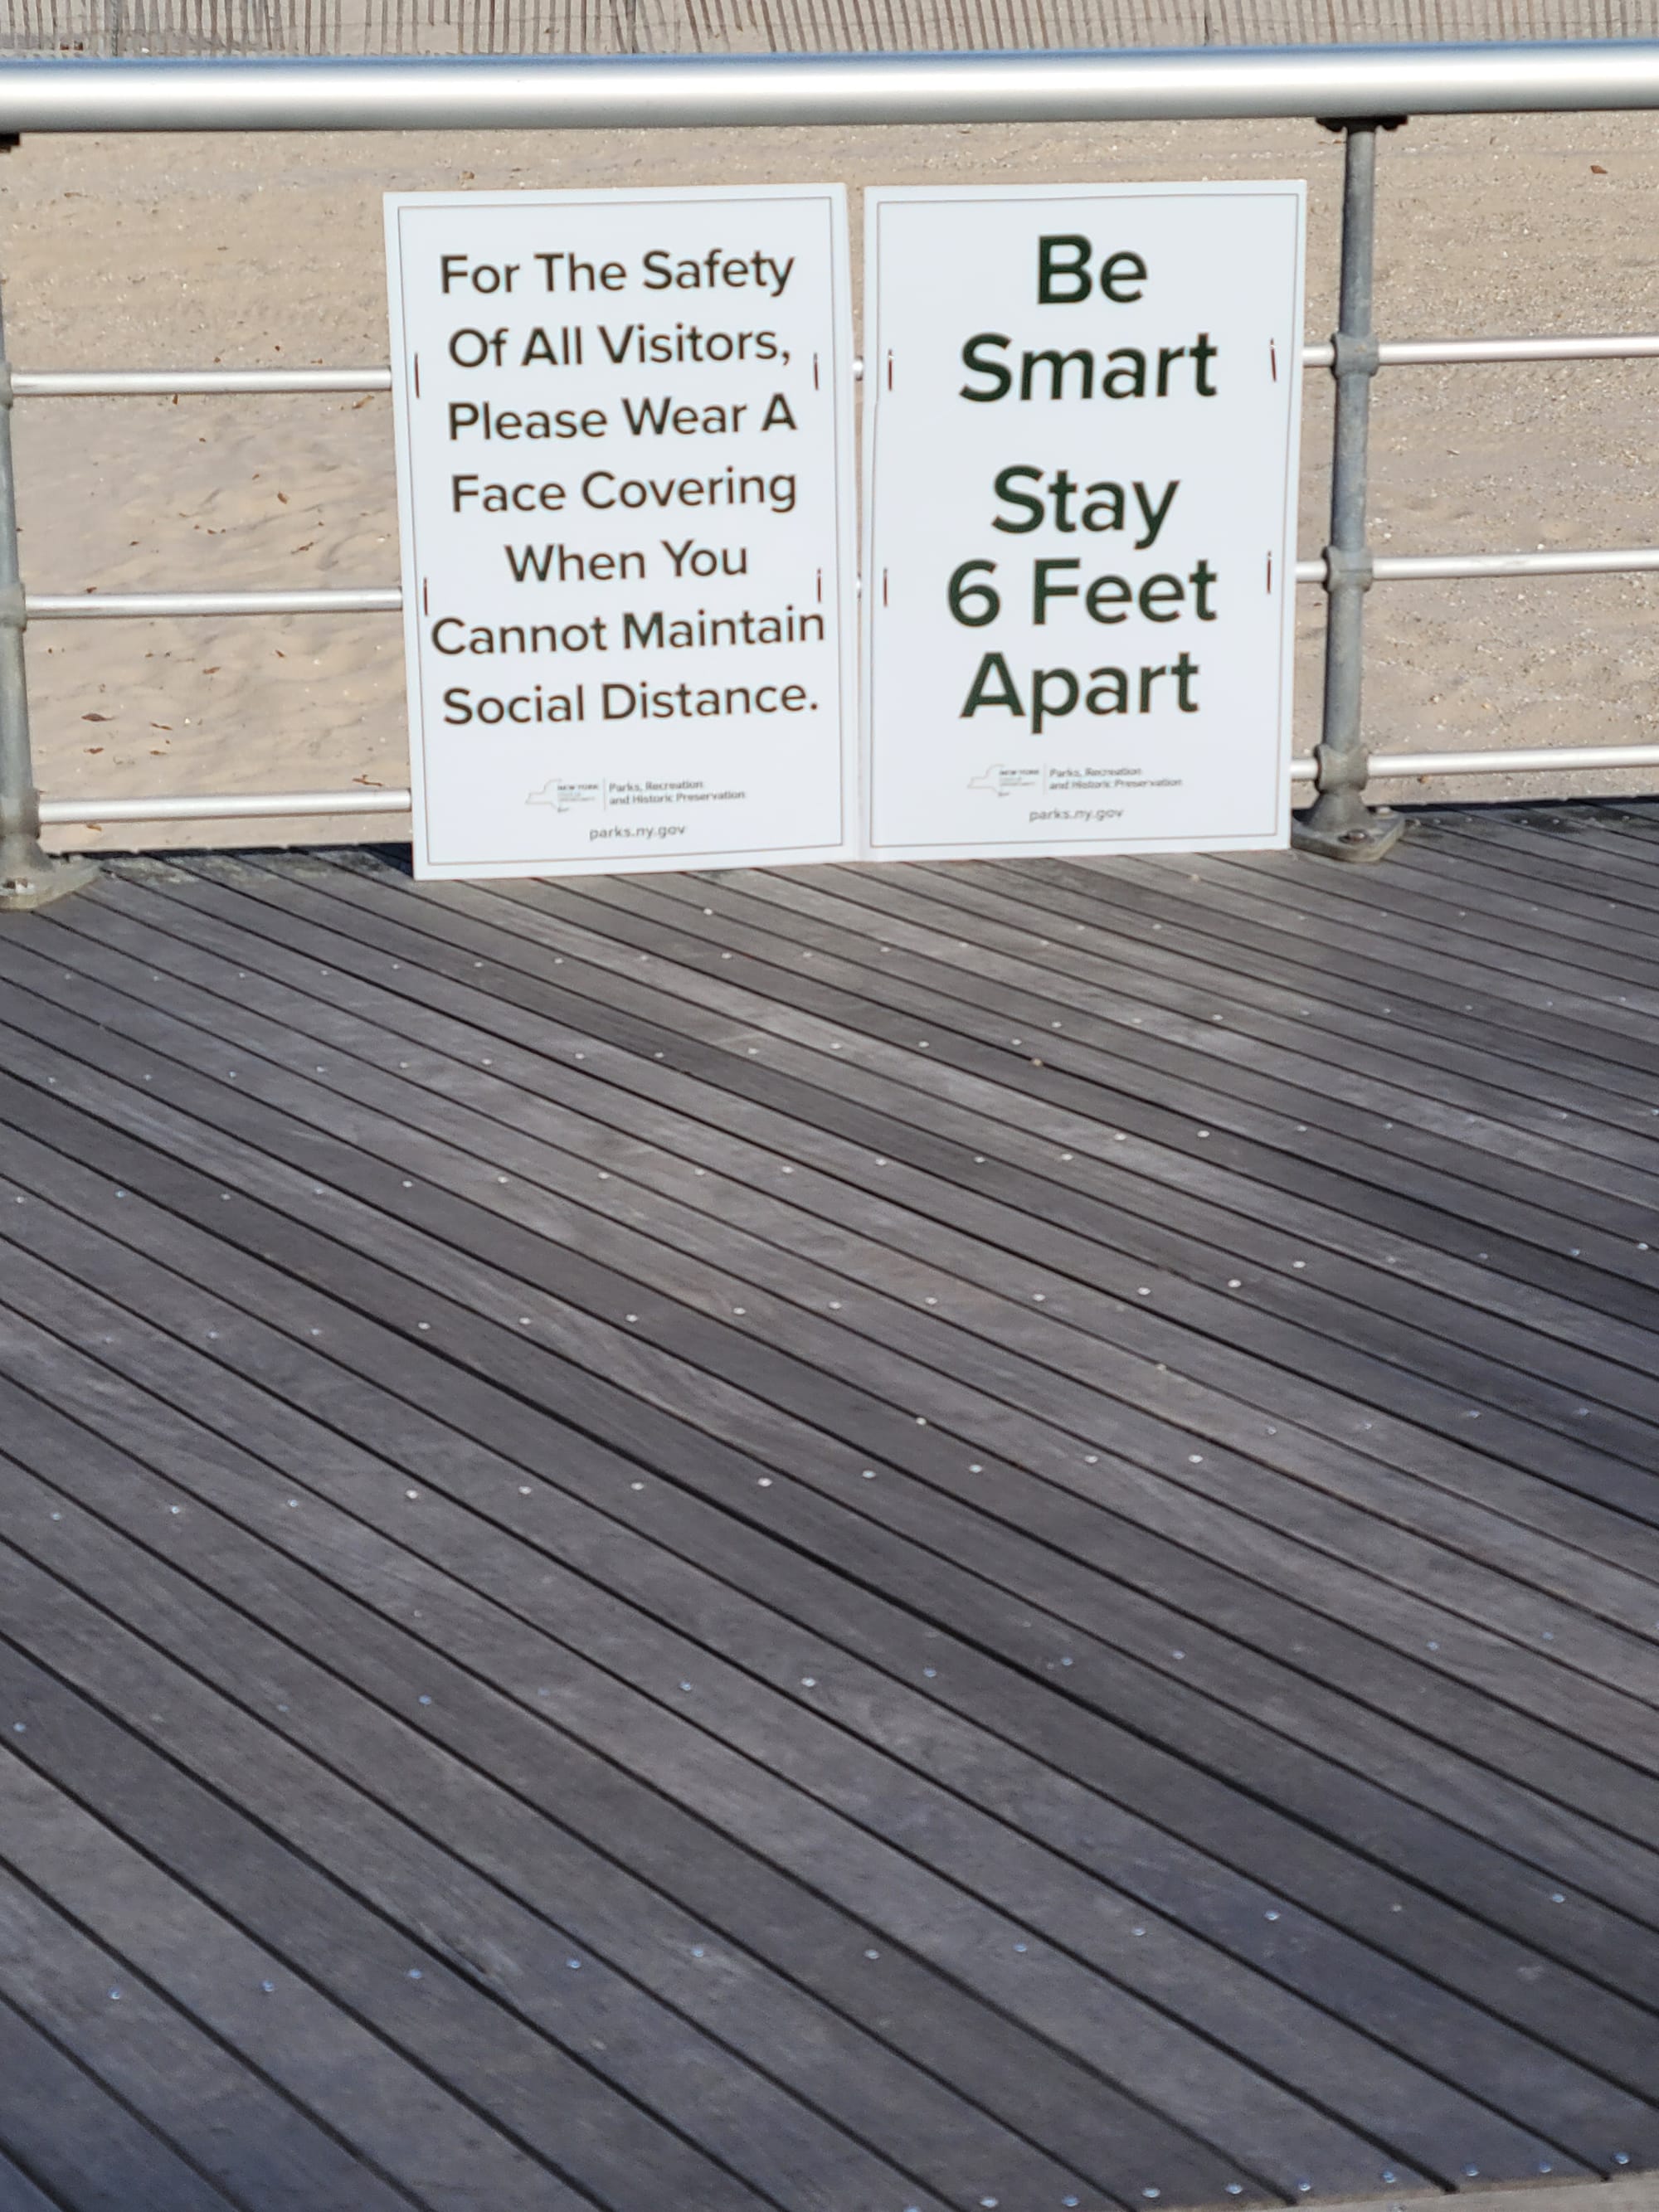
(175, 252)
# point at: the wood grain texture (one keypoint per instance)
(834, 1540)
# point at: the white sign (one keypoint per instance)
(1081, 419)
(625, 469)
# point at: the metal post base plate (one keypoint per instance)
(1368, 838)
(43, 879)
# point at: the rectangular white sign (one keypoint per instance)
(1081, 416)
(625, 476)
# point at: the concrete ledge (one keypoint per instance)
(1635, 2192)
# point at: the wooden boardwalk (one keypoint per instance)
(832, 1541)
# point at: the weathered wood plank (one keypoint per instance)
(692, 1113)
(1147, 926)
(1435, 1939)
(230, 1952)
(17, 2192)
(1486, 924)
(865, 1262)
(477, 1727)
(489, 1304)
(1521, 1022)
(1640, 1442)
(227, 2122)
(845, 1074)
(1283, 1154)
(1240, 1768)
(1568, 917)
(481, 1996)
(1177, 1054)
(1521, 857)
(720, 1199)
(1317, 1039)
(724, 1704)
(447, 939)
(70, 2131)
(1257, 1443)
(1384, 920)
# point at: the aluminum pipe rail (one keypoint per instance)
(1415, 353)
(592, 92)
(1521, 761)
(1426, 567)
(266, 806)
(1429, 567)
(80, 606)
(222, 806)
(128, 383)
(1430, 353)
(388, 599)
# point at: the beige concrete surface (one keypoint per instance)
(1636, 2193)
(170, 251)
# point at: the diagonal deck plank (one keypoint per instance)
(18, 2193)
(928, 1534)
(859, 1787)
(72, 2139)
(495, 1234)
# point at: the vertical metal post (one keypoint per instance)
(1340, 825)
(28, 877)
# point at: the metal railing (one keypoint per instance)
(1357, 90)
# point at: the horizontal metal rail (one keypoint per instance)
(221, 807)
(1446, 353)
(388, 599)
(78, 606)
(594, 92)
(225, 806)
(1500, 762)
(136, 383)
(133, 383)
(1446, 568)
(1426, 568)
(266, 806)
